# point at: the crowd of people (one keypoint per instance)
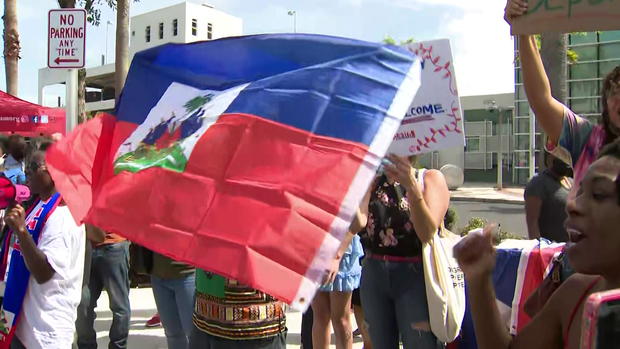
(55, 270)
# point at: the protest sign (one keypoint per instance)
(434, 119)
(567, 16)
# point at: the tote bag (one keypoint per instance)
(445, 283)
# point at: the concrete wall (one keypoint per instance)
(138, 25)
(223, 25)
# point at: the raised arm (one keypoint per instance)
(476, 257)
(36, 260)
(359, 222)
(428, 206)
(549, 112)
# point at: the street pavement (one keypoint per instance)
(505, 207)
(143, 307)
(481, 193)
(510, 216)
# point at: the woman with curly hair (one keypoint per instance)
(571, 138)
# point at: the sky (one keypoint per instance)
(481, 42)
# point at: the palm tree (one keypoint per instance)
(122, 45)
(92, 7)
(66, 3)
(11, 46)
(553, 51)
(554, 54)
(81, 110)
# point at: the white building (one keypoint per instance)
(181, 23)
(484, 128)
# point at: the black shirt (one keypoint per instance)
(553, 210)
(389, 230)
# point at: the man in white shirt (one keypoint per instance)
(55, 263)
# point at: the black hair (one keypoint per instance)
(613, 149)
(44, 145)
(17, 147)
(618, 188)
(611, 82)
(38, 146)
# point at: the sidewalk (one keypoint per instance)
(143, 307)
(478, 193)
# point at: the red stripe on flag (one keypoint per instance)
(538, 261)
(254, 203)
(76, 161)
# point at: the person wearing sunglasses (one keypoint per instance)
(43, 259)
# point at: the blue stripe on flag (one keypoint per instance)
(360, 96)
(291, 78)
(505, 274)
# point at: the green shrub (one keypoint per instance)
(474, 223)
(450, 219)
(498, 237)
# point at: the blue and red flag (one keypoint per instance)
(521, 266)
(244, 156)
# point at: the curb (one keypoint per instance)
(487, 200)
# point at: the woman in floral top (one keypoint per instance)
(403, 213)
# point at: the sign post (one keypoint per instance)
(66, 41)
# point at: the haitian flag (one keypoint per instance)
(520, 267)
(246, 156)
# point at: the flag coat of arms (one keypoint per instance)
(244, 156)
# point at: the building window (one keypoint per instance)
(161, 31)
(194, 27)
(209, 31)
(148, 33)
(609, 35)
(583, 71)
(587, 88)
(175, 27)
(133, 33)
(610, 51)
(472, 144)
(583, 38)
(587, 105)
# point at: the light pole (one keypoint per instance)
(294, 14)
(106, 41)
(492, 106)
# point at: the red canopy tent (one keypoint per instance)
(29, 119)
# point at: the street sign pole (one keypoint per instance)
(71, 107)
(66, 44)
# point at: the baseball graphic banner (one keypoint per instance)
(434, 119)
